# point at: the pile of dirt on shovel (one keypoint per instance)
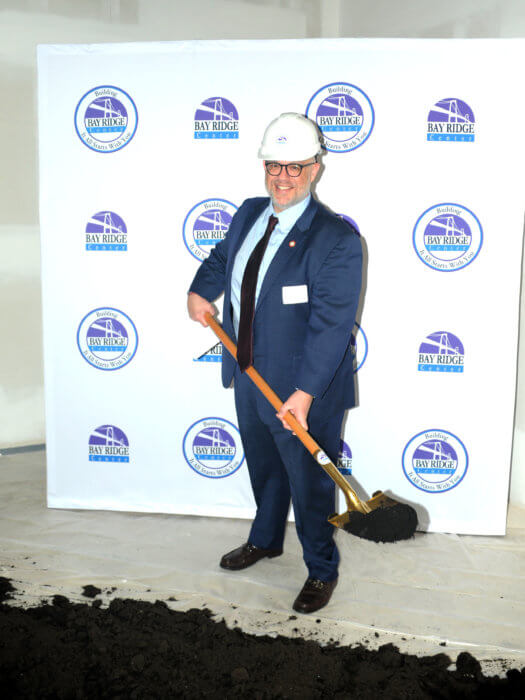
(135, 649)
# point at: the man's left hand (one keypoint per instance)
(299, 404)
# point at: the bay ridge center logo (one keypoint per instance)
(214, 354)
(212, 447)
(205, 225)
(447, 237)
(216, 118)
(106, 119)
(106, 230)
(451, 119)
(344, 114)
(344, 461)
(107, 443)
(107, 338)
(435, 461)
(441, 351)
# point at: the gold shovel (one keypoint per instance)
(381, 518)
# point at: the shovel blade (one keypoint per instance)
(381, 500)
(378, 500)
(340, 520)
(385, 519)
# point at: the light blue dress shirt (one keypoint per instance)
(287, 219)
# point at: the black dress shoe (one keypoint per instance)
(246, 555)
(314, 595)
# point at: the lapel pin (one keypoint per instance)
(291, 244)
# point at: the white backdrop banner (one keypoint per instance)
(147, 151)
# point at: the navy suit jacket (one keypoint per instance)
(302, 345)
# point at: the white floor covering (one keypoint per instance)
(435, 593)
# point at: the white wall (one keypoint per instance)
(26, 23)
(23, 25)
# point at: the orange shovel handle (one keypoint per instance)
(303, 435)
(268, 392)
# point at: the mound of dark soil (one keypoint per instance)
(135, 649)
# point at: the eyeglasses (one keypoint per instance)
(292, 169)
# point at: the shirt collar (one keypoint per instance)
(288, 217)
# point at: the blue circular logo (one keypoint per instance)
(435, 461)
(447, 237)
(107, 338)
(359, 346)
(344, 114)
(106, 119)
(212, 447)
(205, 225)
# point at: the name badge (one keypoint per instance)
(295, 294)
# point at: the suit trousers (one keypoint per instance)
(280, 468)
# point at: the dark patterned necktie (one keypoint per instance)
(248, 288)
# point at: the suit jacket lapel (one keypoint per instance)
(285, 254)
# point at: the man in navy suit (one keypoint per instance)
(308, 286)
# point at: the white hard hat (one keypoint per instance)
(290, 137)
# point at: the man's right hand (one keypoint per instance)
(198, 306)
